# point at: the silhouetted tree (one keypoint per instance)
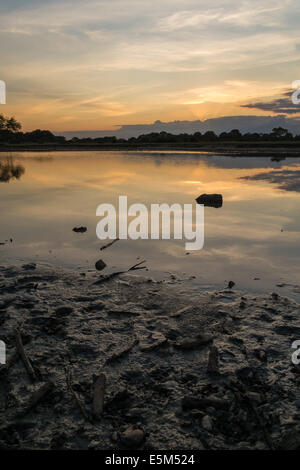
(9, 124)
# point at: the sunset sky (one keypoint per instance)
(96, 64)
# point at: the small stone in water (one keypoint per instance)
(99, 265)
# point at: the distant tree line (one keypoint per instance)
(11, 134)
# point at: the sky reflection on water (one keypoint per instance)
(254, 235)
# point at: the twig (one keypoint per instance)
(23, 355)
(260, 422)
(240, 393)
(109, 244)
(75, 396)
(135, 267)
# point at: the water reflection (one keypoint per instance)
(10, 171)
(287, 180)
(255, 235)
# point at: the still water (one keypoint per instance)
(253, 239)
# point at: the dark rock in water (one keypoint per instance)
(132, 437)
(188, 344)
(79, 229)
(99, 265)
(29, 266)
(210, 200)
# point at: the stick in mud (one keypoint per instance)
(74, 394)
(98, 395)
(213, 361)
(23, 355)
(37, 396)
(121, 352)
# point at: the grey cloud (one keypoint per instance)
(280, 105)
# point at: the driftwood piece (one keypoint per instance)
(179, 312)
(23, 355)
(98, 395)
(213, 361)
(121, 352)
(197, 342)
(191, 403)
(37, 396)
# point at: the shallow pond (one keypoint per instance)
(253, 239)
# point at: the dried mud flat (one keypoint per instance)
(135, 363)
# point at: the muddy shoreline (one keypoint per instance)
(283, 150)
(132, 363)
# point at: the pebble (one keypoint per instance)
(63, 310)
(194, 343)
(132, 437)
(29, 266)
(207, 423)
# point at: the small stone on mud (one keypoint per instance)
(188, 344)
(29, 266)
(253, 396)
(132, 437)
(63, 310)
(207, 423)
